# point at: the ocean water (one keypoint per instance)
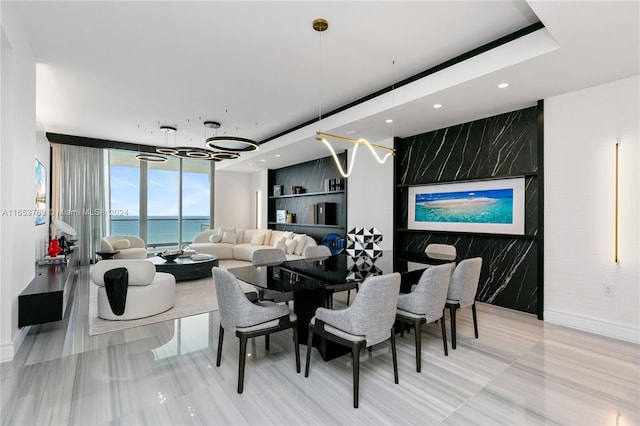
(497, 210)
(160, 230)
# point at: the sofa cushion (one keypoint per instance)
(229, 237)
(280, 244)
(277, 234)
(301, 240)
(222, 250)
(290, 246)
(215, 238)
(122, 244)
(239, 236)
(258, 239)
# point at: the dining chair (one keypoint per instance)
(323, 252)
(367, 322)
(425, 304)
(462, 292)
(247, 320)
(446, 252)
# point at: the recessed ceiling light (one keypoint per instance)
(503, 85)
(251, 164)
(388, 120)
(436, 106)
(351, 132)
(277, 155)
(262, 160)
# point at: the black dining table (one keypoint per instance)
(309, 280)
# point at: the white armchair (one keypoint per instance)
(129, 247)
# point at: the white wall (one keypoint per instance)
(581, 129)
(17, 159)
(233, 200)
(259, 202)
(370, 194)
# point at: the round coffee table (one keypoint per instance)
(185, 268)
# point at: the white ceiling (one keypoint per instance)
(117, 70)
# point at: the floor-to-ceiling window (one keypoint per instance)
(166, 204)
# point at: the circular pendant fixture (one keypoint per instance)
(224, 155)
(151, 158)
(231, 144)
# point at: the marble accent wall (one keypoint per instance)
(496, 147)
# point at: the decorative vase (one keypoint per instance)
(54, 248)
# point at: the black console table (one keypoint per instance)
(45, 298)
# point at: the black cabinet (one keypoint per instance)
(46, 297)
(304, 205)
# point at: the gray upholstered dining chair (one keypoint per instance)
(462, 292)
(247, 319)
(316, 251)
(445, 252)
(367, 322)
(269, 257)
(425, 304)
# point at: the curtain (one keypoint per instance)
(79, 195)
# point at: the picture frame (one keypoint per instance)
(489, 206)
(40, 193)
(281, 216)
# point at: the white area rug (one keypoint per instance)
(192, 298)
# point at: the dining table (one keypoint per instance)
(311, 281)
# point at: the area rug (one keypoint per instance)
(192, 298)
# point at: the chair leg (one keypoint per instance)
(309, 347)
(220, 338)
(266, 342)
(444, 335)
(394, 357)
(475, 319)
(418, 339)
(348, 296)
(355, 352)
(296, 348)
(452, 311)
(242, 359)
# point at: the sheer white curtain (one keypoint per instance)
(79, 195)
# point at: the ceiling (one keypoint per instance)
(118, 70)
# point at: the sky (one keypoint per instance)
(163, 190)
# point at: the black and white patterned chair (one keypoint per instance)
(367, 322)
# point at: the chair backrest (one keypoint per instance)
(235, 308)
(271, 256)
(141, 272)
(441, 252)
(110, 242)
(430, 294)
(317, 251)
(373, 310)
(464, 282)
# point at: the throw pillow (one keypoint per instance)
(229, 237)
(281, 244)
(301, 240)
(215, 238)
(257, 239)
(122, 244)
(239, 236)
(288, 235)
(290, 246)
(222, 230)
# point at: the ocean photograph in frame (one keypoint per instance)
(41, 193)
(489, 206)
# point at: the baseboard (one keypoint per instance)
(8, 350)
(591, 325)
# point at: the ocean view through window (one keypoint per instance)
(158, 209)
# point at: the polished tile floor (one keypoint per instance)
(520, 371)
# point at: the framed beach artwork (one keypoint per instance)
(41, 193)
(490, 206)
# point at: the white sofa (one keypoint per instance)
(239, 244)
(130, 247)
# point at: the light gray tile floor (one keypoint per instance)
(520, 371)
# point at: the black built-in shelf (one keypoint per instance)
(311, 176)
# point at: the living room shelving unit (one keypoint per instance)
(311, 176)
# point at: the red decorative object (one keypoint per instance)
(54, 248)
